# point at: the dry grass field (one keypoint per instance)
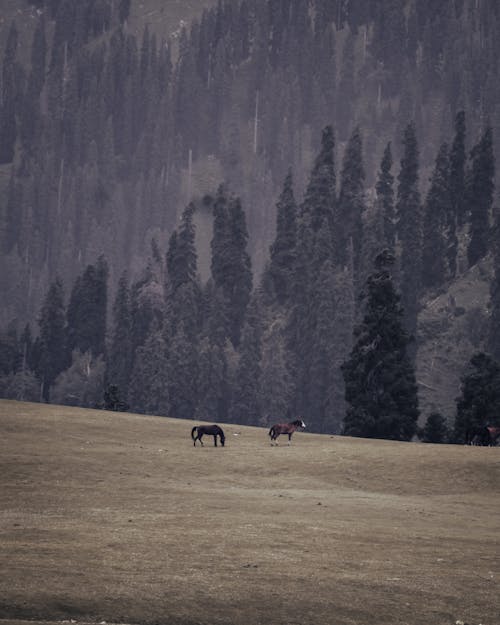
(118, 518)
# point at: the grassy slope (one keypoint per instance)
(117, 517)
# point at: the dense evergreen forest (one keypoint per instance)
(195, 226)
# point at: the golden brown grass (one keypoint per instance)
(117, 517)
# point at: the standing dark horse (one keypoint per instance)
(213, 430)
(285, 428)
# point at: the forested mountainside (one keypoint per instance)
(337, 127)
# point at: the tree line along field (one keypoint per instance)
(117, 517)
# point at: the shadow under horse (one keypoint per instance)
(199, 431)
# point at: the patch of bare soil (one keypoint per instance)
(118, 518)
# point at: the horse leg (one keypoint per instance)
(290, 439)
(215, 440)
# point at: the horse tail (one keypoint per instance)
(193, 431)
(271, 431)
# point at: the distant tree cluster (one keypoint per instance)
(231, 350)
(100, 134)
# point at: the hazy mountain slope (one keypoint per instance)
(451, 328)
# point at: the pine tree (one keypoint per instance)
(479, 401)
(213, 384)
(245, 407)
(119, 361)
(385, 196)
(181, 255)
(322, 373)
(351, 203)
(231, 264)
(480, 185)
(435, 429)
(86, 318)
(150, 376)
(457, 208)
(276, 386)
(436, 211)
(182, 375)
(282, 251)
(320, 196)
(494, 334)
(53, 355)
(9, 97)
(409, 228)
(381, 389)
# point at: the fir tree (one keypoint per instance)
(457, 208)
(479, 401)
(480, 185)
(150, 376)
(231, 264)
(53, 355)
(351, 202)
(9, 96)
(409, 228)
(320, 196)
(436, 211)
(322, 372)
(119, 361)
(213, 384)
(181, 255)
(282, 252)
(86, 318)
(245, 407)
(276, 387)
(385, 196)
(494, 333)
(182, 375)
(435, 429)
(380, 381)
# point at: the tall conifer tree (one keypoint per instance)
(409, 228)
(480, 186)
(385, 196)
(9, 97)
(119, 360)
(381, 389)
(86, 317)
(245, 407)
(351, 202)
(282, 252)
(436, 211)
(457, 208)
(320, 196)
(52, 344)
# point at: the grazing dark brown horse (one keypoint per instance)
(213, 430)
(285, 428)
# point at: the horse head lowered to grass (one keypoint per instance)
(213, 430)
(285, 428)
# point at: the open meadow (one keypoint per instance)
(117, 517)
